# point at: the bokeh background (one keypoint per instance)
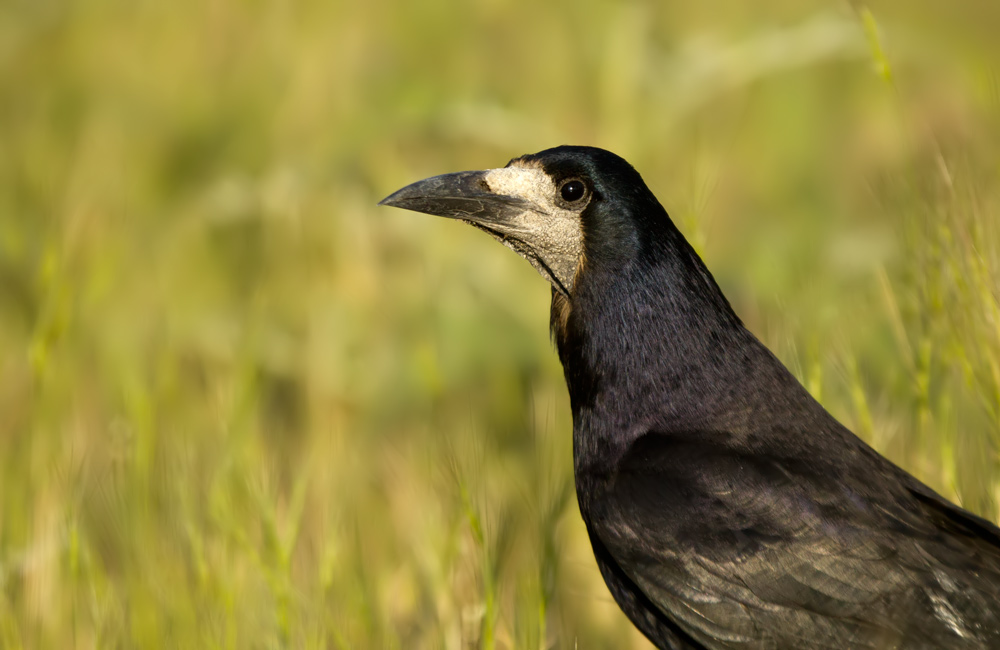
(243, 407)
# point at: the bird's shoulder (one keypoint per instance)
(756, 549)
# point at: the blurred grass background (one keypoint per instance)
(242, 407)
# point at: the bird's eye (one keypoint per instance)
(572, 191)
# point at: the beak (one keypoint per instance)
(463, 195)
(512, 213)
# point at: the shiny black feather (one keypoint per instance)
(726, 507)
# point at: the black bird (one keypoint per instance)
(725, 506)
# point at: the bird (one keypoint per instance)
(725, 506)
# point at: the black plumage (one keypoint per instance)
(725, 506)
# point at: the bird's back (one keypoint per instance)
(728, 509)
(708, 545)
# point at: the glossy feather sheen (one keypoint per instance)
(726, 507)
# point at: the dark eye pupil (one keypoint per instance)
(572, 191)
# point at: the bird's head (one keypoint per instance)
(628, 291)
(562, 209)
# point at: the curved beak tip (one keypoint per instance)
(398, 198)
(407, 197)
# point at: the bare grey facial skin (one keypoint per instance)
(519, 205)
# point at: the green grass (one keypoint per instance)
(243, 407)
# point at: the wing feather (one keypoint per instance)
(743, 551)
